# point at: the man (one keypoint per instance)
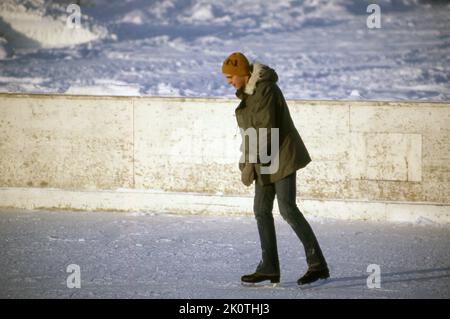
(263, 107)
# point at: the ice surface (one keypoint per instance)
(155, 255)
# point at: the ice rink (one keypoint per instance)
(160, 255)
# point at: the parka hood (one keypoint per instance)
(259, 73)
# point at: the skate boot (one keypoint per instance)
(314, 274)
(258, 277)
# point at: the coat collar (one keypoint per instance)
(255, 76)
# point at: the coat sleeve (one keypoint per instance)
(265, 118)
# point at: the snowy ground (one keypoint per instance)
(149, 255)
(321, 49)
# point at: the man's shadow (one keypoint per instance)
(358, 281)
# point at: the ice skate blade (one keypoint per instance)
(260, 285)
(314, 284)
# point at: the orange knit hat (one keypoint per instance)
(236, 64)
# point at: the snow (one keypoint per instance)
(32, 29)
(355, 93)
(154, 255)
(200, 12)
(320, 49)
(3, 50)
(133, 17)
(109, 87)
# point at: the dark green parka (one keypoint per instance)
(263, 106)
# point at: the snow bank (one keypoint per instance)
(134, 17)
(320, 49)
(110, 87)
(27, 25)
(3, 49)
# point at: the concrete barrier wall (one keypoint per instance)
(362, 151)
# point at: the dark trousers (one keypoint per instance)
(285, 189)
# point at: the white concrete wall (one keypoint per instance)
(364, 152)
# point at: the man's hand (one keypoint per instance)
(248, 174)
(241, 166)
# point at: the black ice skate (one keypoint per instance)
(312, 275)
(258, 277)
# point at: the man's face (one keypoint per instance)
(236, 80)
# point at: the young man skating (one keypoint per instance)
(264, 109)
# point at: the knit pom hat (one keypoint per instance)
(236, 64)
